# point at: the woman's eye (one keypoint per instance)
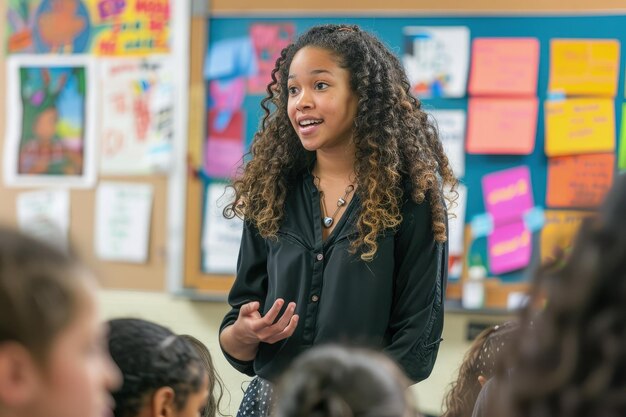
(292, 91)
(321, 86)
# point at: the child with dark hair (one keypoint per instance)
(216, 385)
(572, 360)
(53, 360)
(479, 365)
(333, 381)
(345, 221)
(163, 374)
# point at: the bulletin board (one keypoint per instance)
(230, 22)
(153, 274)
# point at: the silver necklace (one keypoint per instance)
(328, 221)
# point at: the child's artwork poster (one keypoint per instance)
(508, 194)
(579, 181)
(268, 40)
(559, 231)
(509, 247)
(50, 131)
(137, 108)
(224, 148)
(102, 27)
(436, 60)
(579, 126)
(584, 67)
(504, 67)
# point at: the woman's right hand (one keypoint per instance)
(241, 340)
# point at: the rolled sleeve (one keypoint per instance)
(250, 285)
(416, 322)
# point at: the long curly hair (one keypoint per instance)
(398, 148)
(572, 360)
(482, 359)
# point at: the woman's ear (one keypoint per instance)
(20, 376)
(482, 380)
(163, 402)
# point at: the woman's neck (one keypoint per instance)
(334, 166)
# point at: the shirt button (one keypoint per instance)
(319, 256)
(315, 298)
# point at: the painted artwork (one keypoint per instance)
(49, 139)
(268, 40)
(103, 27)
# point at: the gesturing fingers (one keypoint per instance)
(286, 332)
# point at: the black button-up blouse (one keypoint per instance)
(393, 303)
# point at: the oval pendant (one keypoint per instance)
(328, 221)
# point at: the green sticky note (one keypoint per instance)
(621, 163)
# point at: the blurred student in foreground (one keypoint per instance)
(53, 356)
(572, 361)
(332, 381)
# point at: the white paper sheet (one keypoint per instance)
(137, 102)
(45, 215)
(451, 124)
(436, 60)
(456, 223)
(221, 237)
(123, 212)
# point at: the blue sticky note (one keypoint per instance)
(534, 219)
(482, 225)
(222, 120)
(230, 58)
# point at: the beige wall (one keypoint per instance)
(202, 319)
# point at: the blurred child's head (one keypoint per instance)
(572, 360)
(480, 363)
(163, 375)
(216, 386)
(53, 359)
(332, 381)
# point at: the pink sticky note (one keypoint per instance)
(504, 66)
(224, 150)
(508, 194)
(501, 126)
(268, 41)
(509, 247)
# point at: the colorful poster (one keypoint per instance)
(102, 27)
(508, 194)
(579, 181)
(504, 67)
(584, 67)
(230, 58)
(436, 60)
(509, 248)
(268, 40)
(123, 212)
(581, 125)
(137, 122)
(221, 237)
(502, 125)
(224, 149)
(50, 126)
(451, 126)
(559, 231)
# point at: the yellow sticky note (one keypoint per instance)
(559, 230)
(584, 67)
(578, 126)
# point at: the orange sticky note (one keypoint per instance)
(579, 181)
(504, 66)
(582, 125)
(559, 230)
(501, 126)
(584, 67)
